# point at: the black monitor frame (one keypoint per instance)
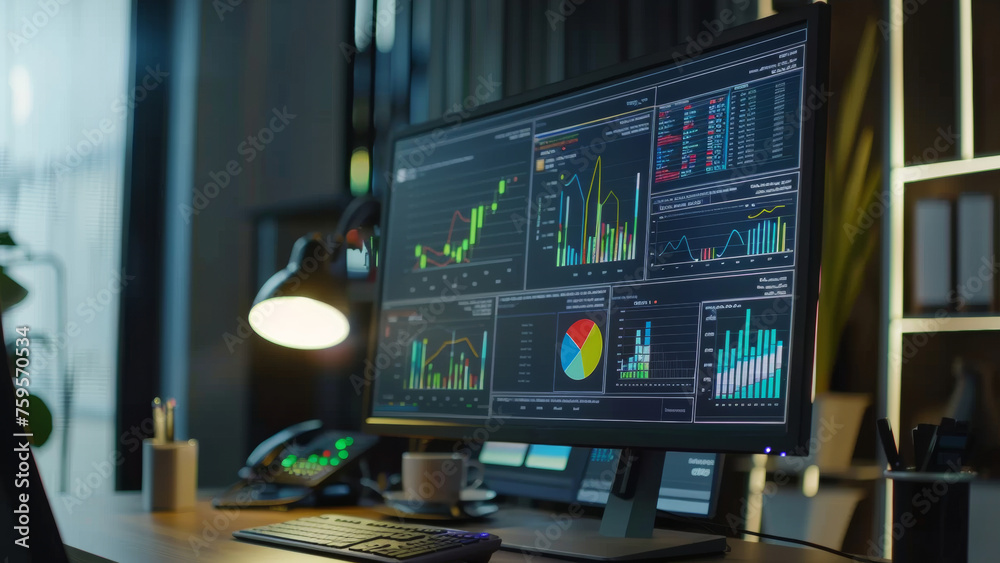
(793, 436)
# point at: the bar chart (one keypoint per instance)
(749, 371)
(588, 207)
(727, 236)
(750, 349)
(655, 345)
(636, 366)
(611, 237)
(457, 363)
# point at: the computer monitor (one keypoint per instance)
(689, 485)
(629, 259)
(534, 471)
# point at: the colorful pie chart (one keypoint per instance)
(582, 347)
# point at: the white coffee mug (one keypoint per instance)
(438, 477)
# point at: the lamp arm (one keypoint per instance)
(360, 210)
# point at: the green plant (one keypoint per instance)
(852, 188)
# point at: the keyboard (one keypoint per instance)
(375, 540)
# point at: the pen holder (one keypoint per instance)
(930, 516)
(169, 475)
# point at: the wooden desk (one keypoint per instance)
(116, 527)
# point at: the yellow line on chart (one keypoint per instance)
(762, 211)
(445, 345)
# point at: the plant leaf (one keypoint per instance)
(853, 99)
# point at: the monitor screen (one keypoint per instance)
(628, 260)
(536, 471)
(689, 485)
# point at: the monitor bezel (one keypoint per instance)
(793, 436)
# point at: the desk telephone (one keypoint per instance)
(296, 467)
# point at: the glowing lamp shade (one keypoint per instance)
(303, 305)
(299, 322)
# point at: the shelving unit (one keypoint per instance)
(895, 324)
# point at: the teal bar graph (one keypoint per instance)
(749, 370)
(636, 366)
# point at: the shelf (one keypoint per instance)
(947, 324)
(947, 168)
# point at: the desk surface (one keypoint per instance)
(116, 527)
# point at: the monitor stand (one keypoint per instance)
(625, 532)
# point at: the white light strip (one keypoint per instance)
(948, 324)
(363, 25)
(965, 105)
(385, 24)
(756, 483)
(948, 168)
(896, 159)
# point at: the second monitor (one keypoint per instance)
(689, 485)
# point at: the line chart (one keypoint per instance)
(723, 237)
(452, 252)
(763, 211)
(603, 241)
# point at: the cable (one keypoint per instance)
(808, 544)
(713, 525)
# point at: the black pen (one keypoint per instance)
(888, 443)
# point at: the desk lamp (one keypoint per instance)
(305, 304)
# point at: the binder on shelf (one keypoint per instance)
(933, 264)
(975, 251)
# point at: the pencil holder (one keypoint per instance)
(930, 516)
(169, 475)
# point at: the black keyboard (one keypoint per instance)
(375, 540)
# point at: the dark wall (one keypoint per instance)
(273, 89)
